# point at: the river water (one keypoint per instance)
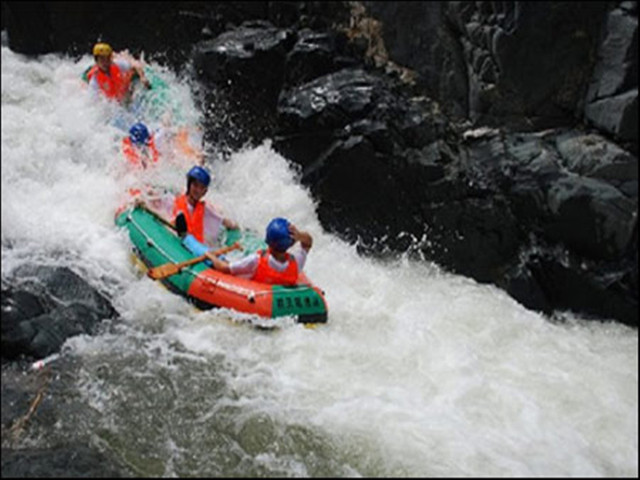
(417, 373)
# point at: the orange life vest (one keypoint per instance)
(137, 156)
(195, 221)
(265, 274)
(115, 84)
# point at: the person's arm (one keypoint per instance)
(137, 66)
(194, 246)
(125, 60)
(139, 69)
(305, 239)
(212, 224)
(243, 267)
(160, 206)
(218, 264)
(213, 219)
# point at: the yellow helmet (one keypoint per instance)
(102, 49)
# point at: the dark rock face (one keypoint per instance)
(164, 32)
(315, 54)
(252, 55)
(525, 63)
(420, 36)
(477, 201)
(349, 130)
(612, 99)
(526, 66)
(592, 156)
(45, 306)
(548, 215)
(249, 65)
(575, 221)
(167, 31)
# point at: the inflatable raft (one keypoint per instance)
(155, 244)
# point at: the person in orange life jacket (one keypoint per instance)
(274, 265)
(112, 77)
(139, 147)
(203, 221)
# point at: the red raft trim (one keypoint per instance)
(222, 290)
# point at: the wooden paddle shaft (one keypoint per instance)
(168, 269)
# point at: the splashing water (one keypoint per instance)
(418, 372)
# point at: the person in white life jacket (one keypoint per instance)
(273, 265)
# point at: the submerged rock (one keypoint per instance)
(71, 461)
(43, 306)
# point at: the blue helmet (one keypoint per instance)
(200, 174)
(278, 236)
(139, 133)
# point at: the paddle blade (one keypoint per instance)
(164, 271)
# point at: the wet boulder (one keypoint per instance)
(251, 57)
(612, 99)
(577, 218)
(591, 217)
(593, 156)
(602, 290)
(573, 188)
(349, 131)
(315, 54)
(351, 102)
(43, 306)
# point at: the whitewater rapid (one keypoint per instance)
(417, 373)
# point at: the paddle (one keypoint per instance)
(168, 269)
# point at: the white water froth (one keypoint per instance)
(428, 373)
